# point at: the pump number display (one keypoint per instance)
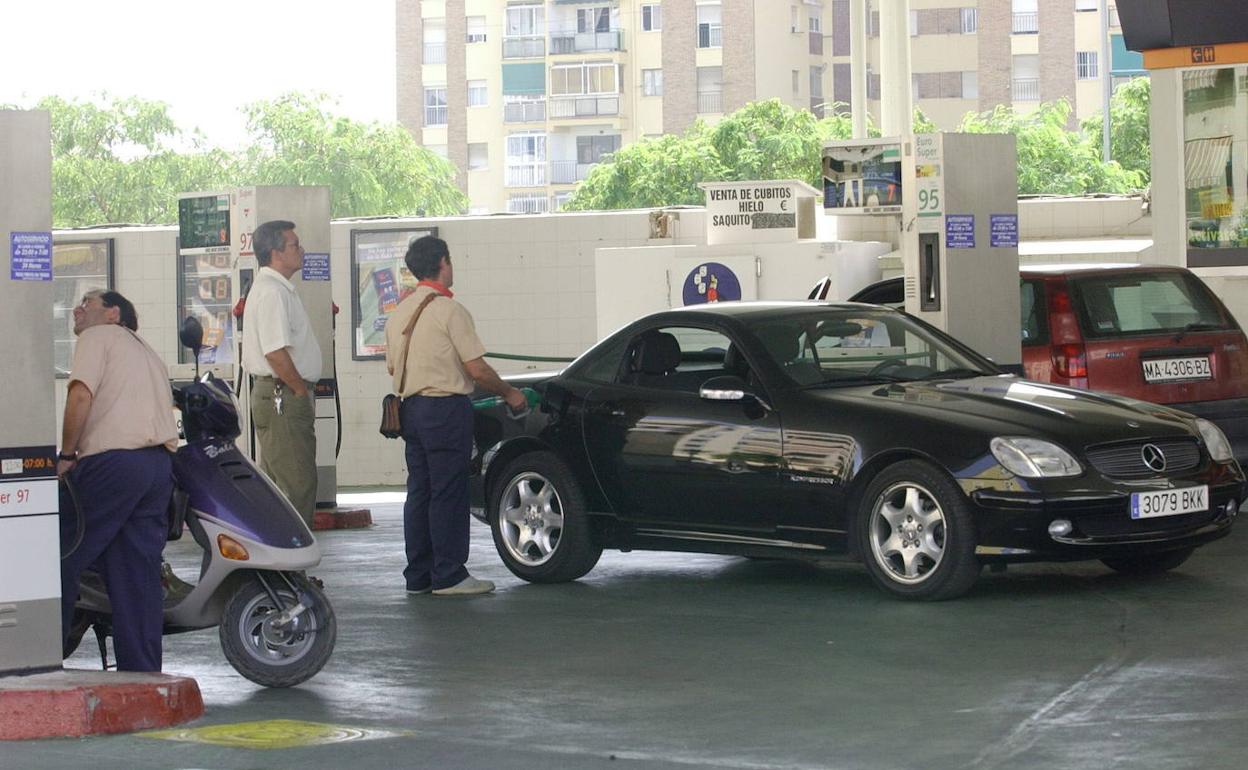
(1169, 502)
(1170, 369)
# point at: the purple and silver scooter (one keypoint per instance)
(277, 628)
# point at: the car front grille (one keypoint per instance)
(1126, 461)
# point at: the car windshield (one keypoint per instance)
(1145, 303)
(834, 347)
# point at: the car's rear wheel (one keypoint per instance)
(1149, 564)
(540, 525)
(915, 533)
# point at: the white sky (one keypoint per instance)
(205, 58)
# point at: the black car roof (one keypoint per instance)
(755, 310)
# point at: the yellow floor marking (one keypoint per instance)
(273, 734)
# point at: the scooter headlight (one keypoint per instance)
(1215, 441)
(1034, 458)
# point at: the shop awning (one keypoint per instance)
(1204, 161)
(527, 78)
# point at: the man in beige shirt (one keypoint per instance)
(435, 371)
(115, 450)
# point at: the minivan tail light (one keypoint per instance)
(1070, 361)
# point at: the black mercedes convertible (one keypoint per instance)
(818, 430)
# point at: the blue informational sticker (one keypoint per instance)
(30, 256)
(1003, 229)
(711, 282)
(960, 231)
(316, 267)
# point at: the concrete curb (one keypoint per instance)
(340, 519)
(73, 703)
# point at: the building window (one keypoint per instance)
(478, 93)
(651, 17)
(794, 15)
(1085, 65)
(524, 35)
(591, 149)
(970, 85)
(1025, 86)
(970, 21)
(593, 20)
(816, 20)
(797, 82)
(584, 78)
(435, 41)
(816, 81)
(1113, 17)
(476, 29)
(914, 24)
(710, 89)
(435, 106)
(526, 161)
(527, 203)
(652, 82)
(1087, 5)
(478, 156)
(710, 25)
(524, 108)
(1026, 17)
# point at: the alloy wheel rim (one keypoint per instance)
(907, 533)
(271, 644)
(530, 519)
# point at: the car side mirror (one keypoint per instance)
(730, 387)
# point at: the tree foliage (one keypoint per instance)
(762, 140)
(1052, 159)
(116, 162)
(1128, 127)
(371, 169)
(125, 160)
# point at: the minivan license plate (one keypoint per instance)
(1169, 502)
(1168, 369)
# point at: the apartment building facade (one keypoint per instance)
(525, 96)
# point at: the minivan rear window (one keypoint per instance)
(1127, 304)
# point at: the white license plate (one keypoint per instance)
(1169, 369)
(1169, 502)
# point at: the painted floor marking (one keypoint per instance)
(274, 734)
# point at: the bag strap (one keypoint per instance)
(407, 332)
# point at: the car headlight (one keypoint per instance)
(1034, 458)
(1215, 441)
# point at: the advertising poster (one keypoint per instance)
(862, 178)
(381, 281)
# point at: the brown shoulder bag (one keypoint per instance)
(391, 425)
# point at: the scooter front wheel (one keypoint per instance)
(268, 651)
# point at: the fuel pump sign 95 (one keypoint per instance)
(929, 183)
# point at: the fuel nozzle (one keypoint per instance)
(532, 400)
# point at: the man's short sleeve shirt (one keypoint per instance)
(274, 318)
(443, 339)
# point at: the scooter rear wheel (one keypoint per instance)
(270, 654)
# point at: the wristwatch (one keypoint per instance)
(70, 456)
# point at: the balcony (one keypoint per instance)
(584, 106)
(571, 41)
(526, 175)
(435, 116)
(710, 101)
(1026, 89)
(569, 171)
(1027, 23)
(435, 53)
(526, 47)
(525, 112)
(528, 204)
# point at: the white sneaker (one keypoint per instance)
(469, 586)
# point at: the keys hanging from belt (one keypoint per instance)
(277, 397)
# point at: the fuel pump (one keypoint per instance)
(30, 577)
(233, 216)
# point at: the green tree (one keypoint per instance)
(371, 169)
(762, 140)
(1052, 159)
(116, 162)
(1128, 127)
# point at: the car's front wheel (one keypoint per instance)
(915, 533)
(1149, 564)
(539, 521)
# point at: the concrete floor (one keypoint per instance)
(685, 661)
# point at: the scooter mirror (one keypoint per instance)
(192, 334)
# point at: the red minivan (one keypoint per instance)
(1149, 332)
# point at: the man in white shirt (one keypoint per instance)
(282, 354)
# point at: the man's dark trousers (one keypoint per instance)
(437, 432)
(124, 499)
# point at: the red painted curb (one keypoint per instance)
(67, 704)
(340, 519)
